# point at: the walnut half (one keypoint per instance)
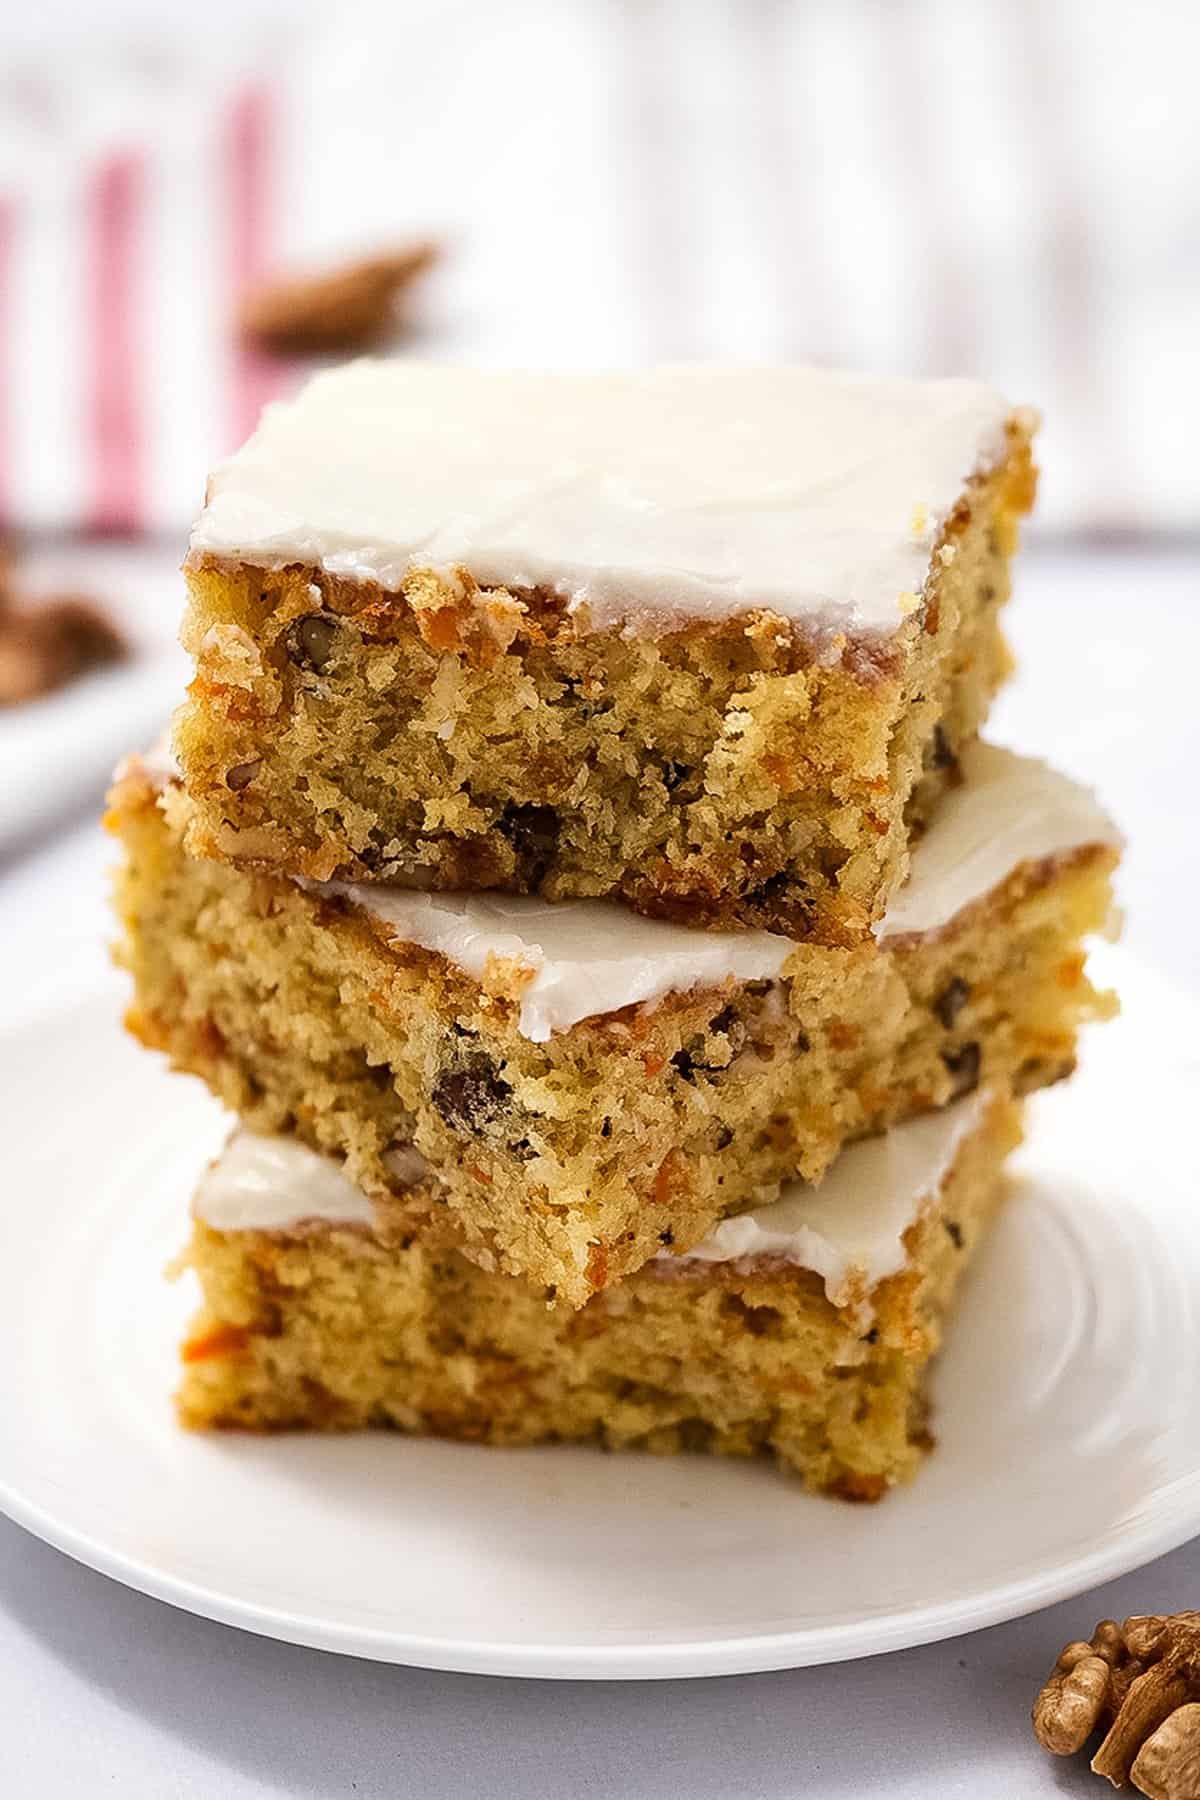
(1140, 1683)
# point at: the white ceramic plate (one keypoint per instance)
(56, 753)
(1068, 1415)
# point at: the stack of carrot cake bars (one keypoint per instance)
(579, 870)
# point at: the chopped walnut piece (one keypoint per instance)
(343, 309)
(242, 774)
(1140, 1682)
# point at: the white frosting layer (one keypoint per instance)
(682, 492)
(850, 1229)
(1009, 810)
(274, 1184)
(582, 956)
(593, 956)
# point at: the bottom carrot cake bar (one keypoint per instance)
(802, 1329)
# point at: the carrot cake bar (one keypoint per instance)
(581, 1087)
(709, 639)
(803, 1329)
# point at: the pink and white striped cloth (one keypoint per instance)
(1008, 188)
(119, 274)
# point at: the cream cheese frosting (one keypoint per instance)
(850, 1229)
(646, 499)
(261, 1183)
(586, 957)
(582, 957)
(1008, 810)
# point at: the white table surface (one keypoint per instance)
(105, 1692)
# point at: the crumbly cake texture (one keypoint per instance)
(573, 1159)
(724, 686)
(332, 1327)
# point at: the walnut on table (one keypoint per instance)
(46, 644)
(1140, 1683)
(334, 310)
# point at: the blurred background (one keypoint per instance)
(196, 203)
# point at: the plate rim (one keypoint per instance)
(758, 1653)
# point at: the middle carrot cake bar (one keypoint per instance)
(580, 1087)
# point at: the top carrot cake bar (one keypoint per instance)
(705, 638)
